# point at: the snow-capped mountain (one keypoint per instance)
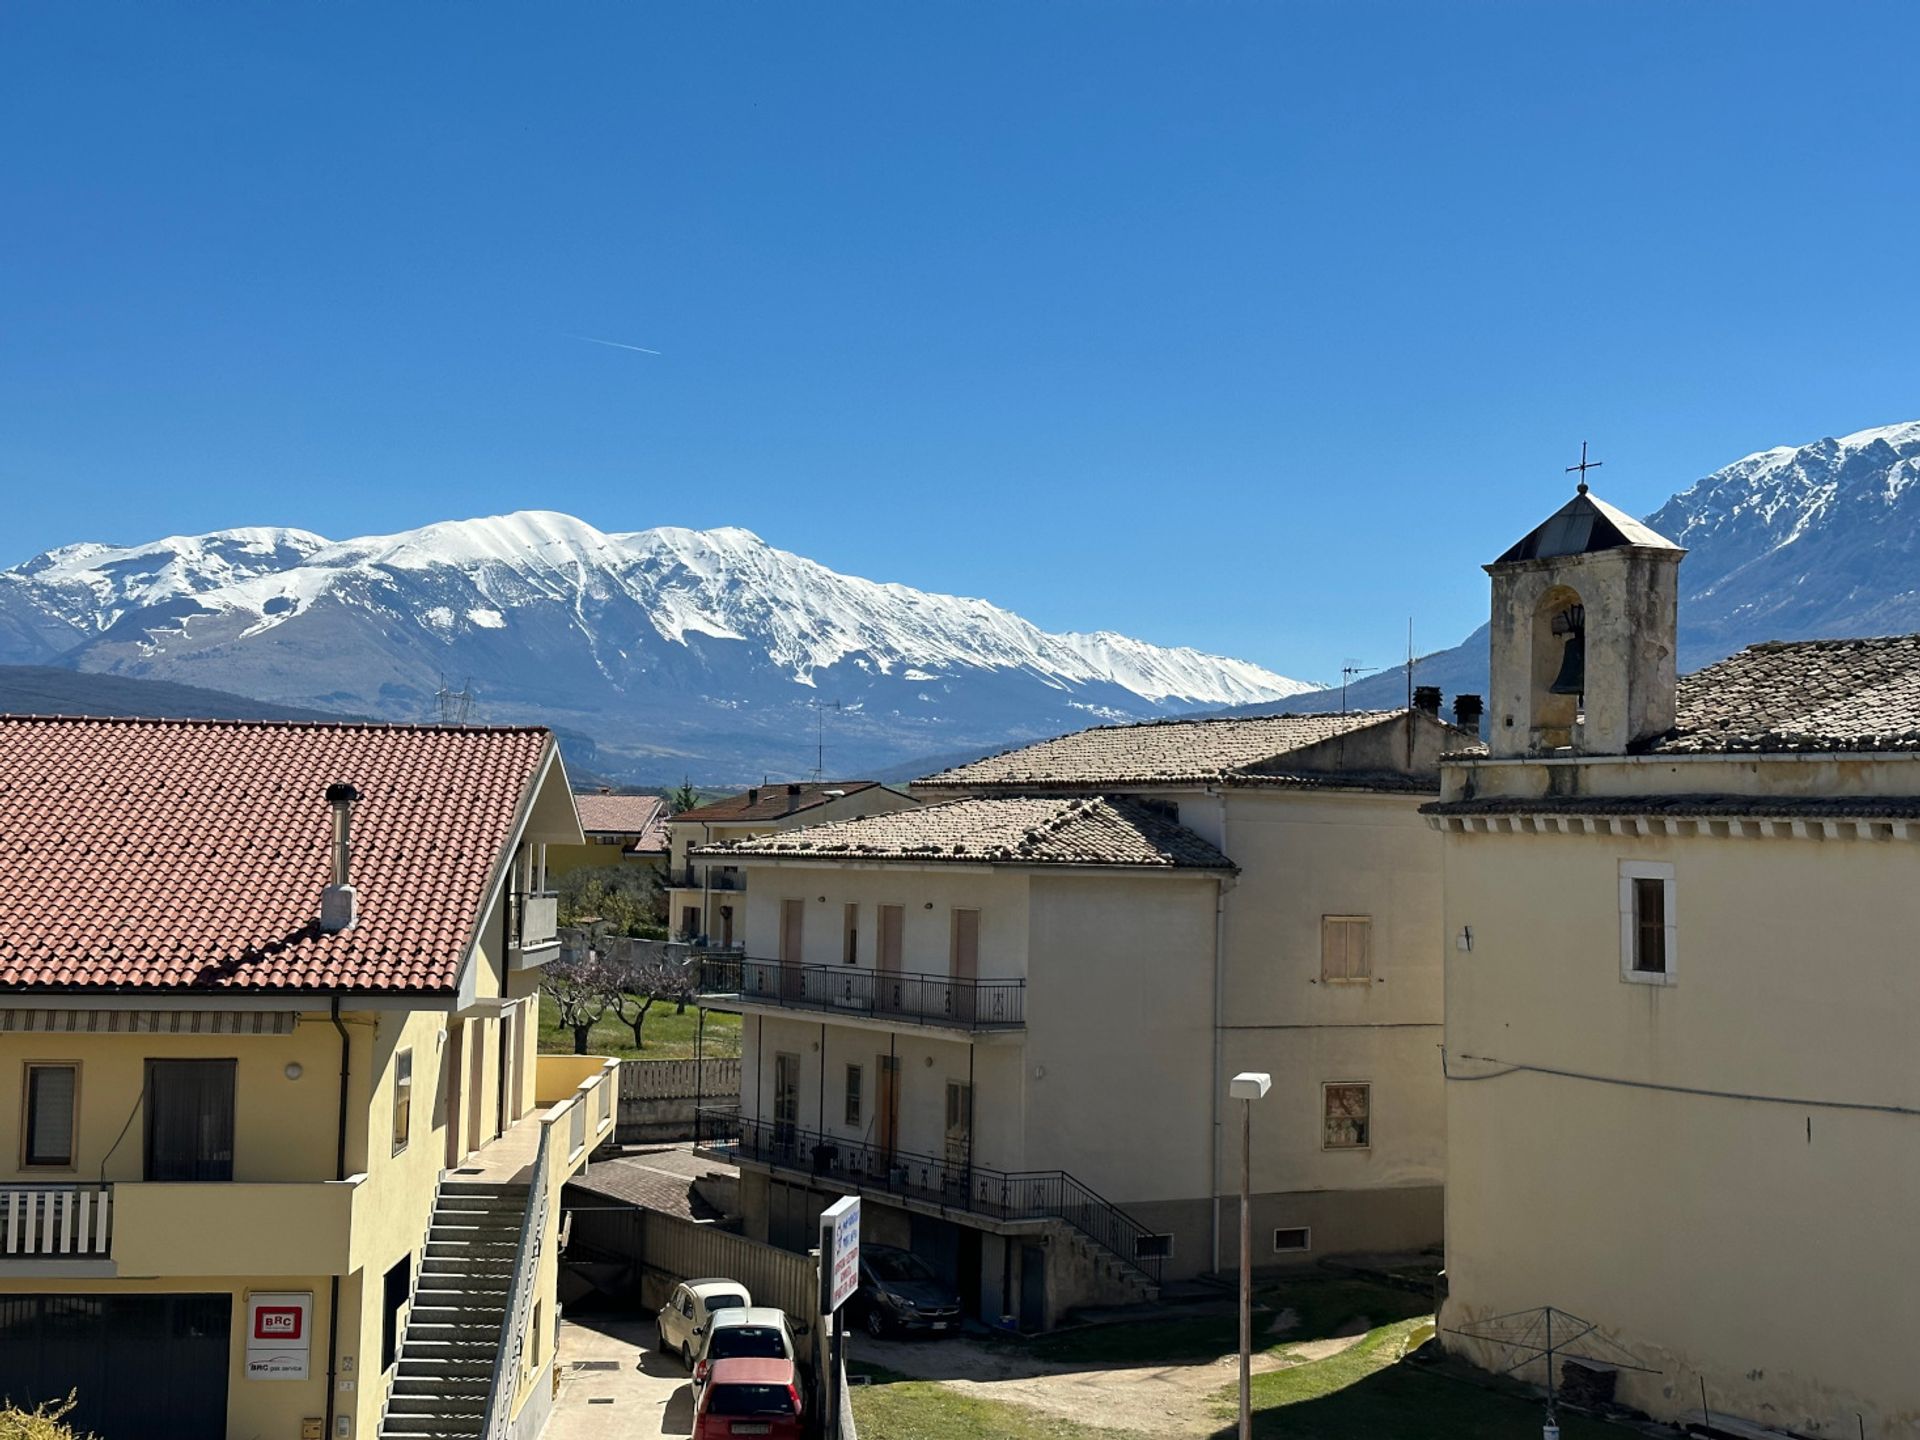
(1793, 543)
(706, 651)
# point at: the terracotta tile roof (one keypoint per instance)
(162, 854)
(771, 802)
(1058, 830)
(1802, 695)
(1159, 752)
(644, 816)
(1704, 807)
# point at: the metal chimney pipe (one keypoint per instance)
(1426, 699)
(339, 903)
(1467, 710)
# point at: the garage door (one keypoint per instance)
(139, 1365)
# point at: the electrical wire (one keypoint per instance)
(1513, 1067)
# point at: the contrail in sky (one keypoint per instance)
(615, 344)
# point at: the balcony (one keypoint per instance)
(216, 1227)
(688, 878)
(887, 996)
(952, 1182)
(533, 926)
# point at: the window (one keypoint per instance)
(1349, 1120)
(1346, 947)
(850, 948)
(854, 1089)
(402, 1099)
(1647, 929)
(1297, 1237)
(50, 1105)
(1153, 1247)
(394, 1288)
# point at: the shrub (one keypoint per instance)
(44, 1422)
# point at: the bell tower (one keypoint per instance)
(1584, 619)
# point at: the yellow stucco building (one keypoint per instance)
(279, 1156)
(1682, 1106)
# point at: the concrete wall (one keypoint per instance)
(1756, 1242)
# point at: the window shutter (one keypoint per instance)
(50, 1115)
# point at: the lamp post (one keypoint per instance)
(1248, 1086)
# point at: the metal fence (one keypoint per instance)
(941, 999)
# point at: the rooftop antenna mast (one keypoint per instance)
(1349, 671)
(820, 734)
(456, 706)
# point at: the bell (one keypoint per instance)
(1572, 679)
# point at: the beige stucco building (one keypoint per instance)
(1682, 1103)
(705, 902)
(239, 1070)
(1009, 1018)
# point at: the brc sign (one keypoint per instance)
(278, 1336)
(839, 1253)
(277, 1322)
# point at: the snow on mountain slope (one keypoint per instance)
(682, 642)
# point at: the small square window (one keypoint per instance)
(1647, 929)
(1346, 948)
(854, 1087)
(402, 1099)
(1348, 1110)
(1153, 1247)
(1297, 1237)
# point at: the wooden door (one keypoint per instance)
(793, 915)
(963, 965)
(893, 924)
(476, 1082)
(452, 1085)
(886, 1117)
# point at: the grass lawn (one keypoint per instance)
(895, 1408)
(669, 1036)
(1323, 1303)
(1364, 1392)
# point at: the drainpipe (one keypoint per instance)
(339, 1173)
(1219, 1019)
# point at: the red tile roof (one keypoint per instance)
(641, 815)
(162, 854)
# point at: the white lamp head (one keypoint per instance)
(1250, 1085)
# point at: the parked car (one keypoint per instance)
(755, 1332)
(690, 1307)
(899, 1292)
(750, 1396)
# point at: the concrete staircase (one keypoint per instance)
(452, 1340)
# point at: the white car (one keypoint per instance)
(683, 1319)
(757, 1332)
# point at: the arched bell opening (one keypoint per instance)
(1559, 666)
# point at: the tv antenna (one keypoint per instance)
(1351, 670)
(820, 708)
(456, 706)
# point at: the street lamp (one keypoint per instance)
(1248, 1086)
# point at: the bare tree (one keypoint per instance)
(582, 990)
(642, 981)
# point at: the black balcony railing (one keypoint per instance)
(689, 878)
(853, 989)
(952, 1181)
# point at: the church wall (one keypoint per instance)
(1758, 1246)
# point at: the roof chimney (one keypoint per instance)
(1426, 699)
(753, 796)
(339, 903)
(1466, 712)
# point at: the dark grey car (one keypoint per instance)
(900, 1293)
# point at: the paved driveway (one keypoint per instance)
(613, 1384)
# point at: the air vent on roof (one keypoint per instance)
(339, 905)
(1426, 699)
(1467, 710)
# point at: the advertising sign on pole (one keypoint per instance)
(839, 1253)
(279, 1335)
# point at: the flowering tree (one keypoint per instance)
(642, 980)
(582, 990)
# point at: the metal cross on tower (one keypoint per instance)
(1584, 466)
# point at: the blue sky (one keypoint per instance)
(1250, 326)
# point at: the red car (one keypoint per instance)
(749, 1397)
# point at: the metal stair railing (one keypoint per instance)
(498, 1419)
(953, 1182)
